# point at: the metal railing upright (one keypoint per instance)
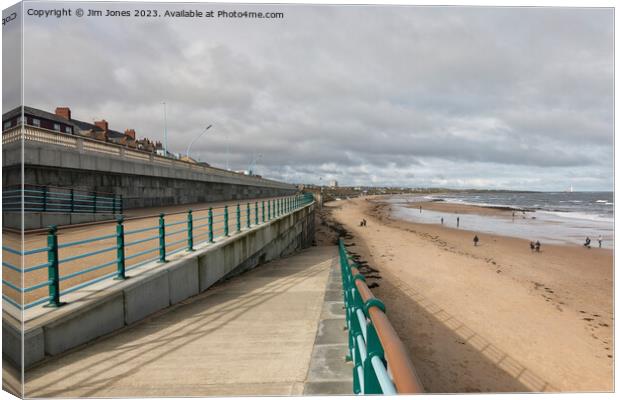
(381, 364)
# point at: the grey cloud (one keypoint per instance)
(377, 94)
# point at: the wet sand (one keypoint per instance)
(491, 318)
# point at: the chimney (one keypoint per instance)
(131, 133)
(64, 112)
(103, 124)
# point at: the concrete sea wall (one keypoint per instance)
(148, 182)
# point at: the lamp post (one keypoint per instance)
(165, 131)
(196, 138)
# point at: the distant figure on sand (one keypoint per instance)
(513, 216)
(476, 240)
(420, 209)
(600, 241)
(364, 220)
(457, 221)
(441, 220)
(587, 243)
(537, 246)
(532, 246)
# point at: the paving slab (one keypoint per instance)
(330, 373)
(251, 335)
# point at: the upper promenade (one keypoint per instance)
(143, 179)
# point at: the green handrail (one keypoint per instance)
(120, 249)
(190, 231)
(162, 239)
(238, 218)
(210, 225)
(226, 221)
(52, 269)
(275, 207)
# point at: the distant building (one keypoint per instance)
(333, 183)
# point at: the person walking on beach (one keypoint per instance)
(364, 221)
(537, 246)
(587, 243)
(441, 220)
(600, 241)
(420, 209)
(457, 221)
(532, 247)
(476, 240)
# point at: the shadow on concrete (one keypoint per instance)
(199, 320)
(11, 378)
(449, 356)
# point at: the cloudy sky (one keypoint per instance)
(514, 98)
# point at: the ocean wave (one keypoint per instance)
(579, 215)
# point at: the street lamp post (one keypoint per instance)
(196, 138)
(165, 131)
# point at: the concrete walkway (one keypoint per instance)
(251, 335)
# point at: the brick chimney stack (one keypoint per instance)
(64, 112)
(131, 133)
(103, 124)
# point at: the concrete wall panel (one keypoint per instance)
(85, 324)
(152, 294)
(183, 280)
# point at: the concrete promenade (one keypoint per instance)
(259, 333)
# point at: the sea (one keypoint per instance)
(550, 217)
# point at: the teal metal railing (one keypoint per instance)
(381, 364)
(36, 198)
(170, 238)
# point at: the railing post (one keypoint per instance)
(120, 197)
(44, 198)
(210, 220)
(72, 200)
(52, 268)
(120, 249)
(190, 231)
(268, 210)
(256, 213)
(94, 202)
(113, 204)
(238, 218)
(249, 216)
(162, 239)
(226, 220)
(374, 349)
(263, 210)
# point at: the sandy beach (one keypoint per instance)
(491, 318)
